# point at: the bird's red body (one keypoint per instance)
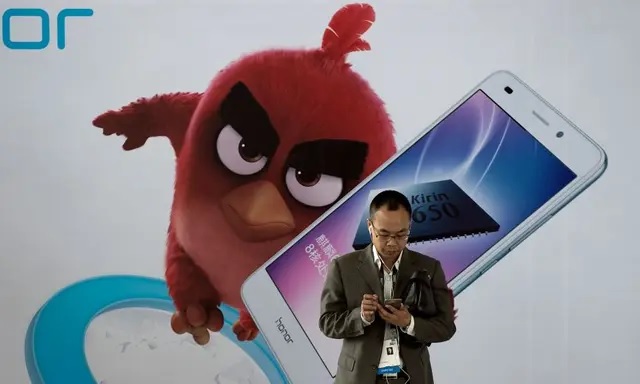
(274, 141)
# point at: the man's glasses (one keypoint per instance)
(385, 237)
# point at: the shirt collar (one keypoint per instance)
(378, 261)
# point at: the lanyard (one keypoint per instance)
(394, 273)
(390, 332)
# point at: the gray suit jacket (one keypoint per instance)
(352, 276)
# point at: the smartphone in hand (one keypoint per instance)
(395, 303)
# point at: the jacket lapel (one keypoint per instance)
(369, 272)
(407, 267)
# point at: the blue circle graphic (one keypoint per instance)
(54, 345)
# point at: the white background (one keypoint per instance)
(561, 308)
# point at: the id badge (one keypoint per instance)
(390, 357)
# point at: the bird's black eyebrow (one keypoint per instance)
(339, 158)
(243, 112)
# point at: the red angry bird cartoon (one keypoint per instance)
(275, 140)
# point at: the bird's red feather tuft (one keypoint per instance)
(345, 30)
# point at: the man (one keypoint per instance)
(381, 344)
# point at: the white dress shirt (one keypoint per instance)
(388, 289)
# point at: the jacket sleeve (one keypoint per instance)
(337, 321)
(441, 326)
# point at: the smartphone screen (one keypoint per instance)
(396, 303)
(471, 180)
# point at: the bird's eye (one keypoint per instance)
(313, 189)
(237, 155)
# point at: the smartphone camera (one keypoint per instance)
(559, 134)
(508, 90)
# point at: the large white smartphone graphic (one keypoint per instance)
(501, 150)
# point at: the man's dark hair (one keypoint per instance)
(392, 200)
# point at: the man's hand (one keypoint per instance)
(368, 307)
(399, 317)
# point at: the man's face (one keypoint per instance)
(389, 231)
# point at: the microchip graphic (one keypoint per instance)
(441, 210)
